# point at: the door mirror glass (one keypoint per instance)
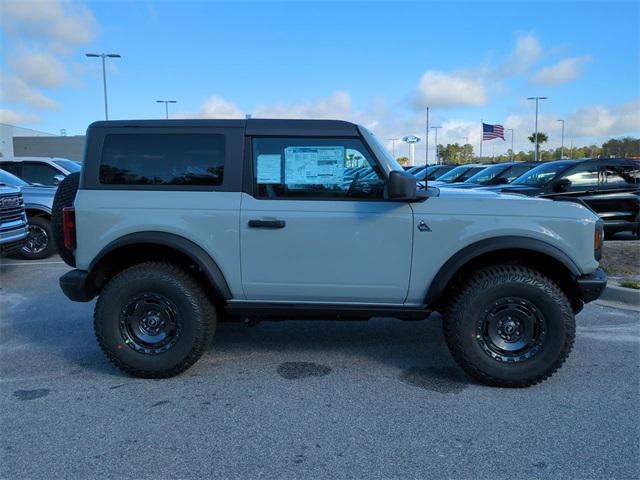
(562, 185)
(402, 186)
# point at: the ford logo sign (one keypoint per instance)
(9, 202)
(411, 139)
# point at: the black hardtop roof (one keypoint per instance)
(252, 126)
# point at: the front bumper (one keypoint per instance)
(592, 285)
(77, 286)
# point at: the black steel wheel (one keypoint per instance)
(511, 330)
(39, 243)
(509, 326)
(153, 320)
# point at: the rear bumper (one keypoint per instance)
(592, 285)
(77, 286)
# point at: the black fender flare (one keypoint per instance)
(196, 253)
(489, 245)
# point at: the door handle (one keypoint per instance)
(267, 224)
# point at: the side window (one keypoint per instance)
(159, 159)
(620, 175)
(583, 176)
(315, 168)
(39, 173)
(515, 171)
(11, 167)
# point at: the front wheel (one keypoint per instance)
(39, 242)
(509, 326)
(153, 320)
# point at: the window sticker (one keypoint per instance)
(269, 169)
(314, 165)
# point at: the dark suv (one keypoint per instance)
(609, 186)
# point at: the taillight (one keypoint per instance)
(69, 227)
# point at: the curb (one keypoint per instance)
(613, 293)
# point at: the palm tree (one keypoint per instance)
(542, 138)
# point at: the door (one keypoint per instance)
(317, 229)
(617, 200)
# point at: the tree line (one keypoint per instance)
(616, 147)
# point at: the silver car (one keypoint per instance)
(38, 201)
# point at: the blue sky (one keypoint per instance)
(377, 63)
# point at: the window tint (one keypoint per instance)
(11, 167)
(39, 173)
(515, 171)
(163, 159)
(314, 168)
(583, 176)
(620, 175)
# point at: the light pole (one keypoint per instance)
(511, 130)
(104, 76)
(393, 146)
(562, 141)
(426, 154)
(535, 149)
(166, 106)
(436, 140)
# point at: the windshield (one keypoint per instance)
(69, 165)
(383, 155)
(542, 174)
(457, 174)
(9, 179)
(428, 172)
(488, 174)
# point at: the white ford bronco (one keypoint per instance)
(176, 225)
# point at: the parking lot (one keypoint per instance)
(377, 399)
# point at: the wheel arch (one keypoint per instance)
(531, 252)
(35, 210)
(138, 247)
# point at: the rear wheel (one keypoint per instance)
(153, 320)
(510, 326)
(39, 243)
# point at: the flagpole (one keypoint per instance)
(481, 134)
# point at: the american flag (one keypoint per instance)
(492, 131)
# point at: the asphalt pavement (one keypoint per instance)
(304, 400)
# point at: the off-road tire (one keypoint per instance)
(65, 195)
(44, 224)
(483, 289)
(195, 310)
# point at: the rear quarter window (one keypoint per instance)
(186, 159)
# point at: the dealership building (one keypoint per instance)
(25, 142)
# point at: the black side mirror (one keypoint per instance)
(501, 180)
(562, 185)
(402, 186)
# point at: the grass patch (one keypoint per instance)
(630, 284)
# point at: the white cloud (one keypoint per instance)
(15, 90)
(442, 90)
(214, 107)
(526, 53)
(335, 106)
(38, 68)
(599, 120)
(61, 23)
(564, 71)
(15, 118)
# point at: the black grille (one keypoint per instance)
(11, 208)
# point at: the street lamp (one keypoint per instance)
(104, 76)
(393, 145)
(562, 141)
(535, 150)
(511, 130)
(166, 106)
(437, 153)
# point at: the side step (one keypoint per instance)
(301, 311)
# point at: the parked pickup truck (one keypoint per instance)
(178, 224)
(13, 221)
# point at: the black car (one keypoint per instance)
(432, 172)
(499, 174)
(459, 174)
(609, 186)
